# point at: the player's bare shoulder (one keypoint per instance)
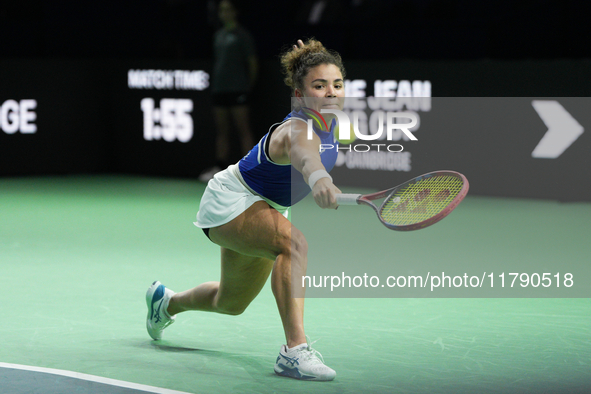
(281, 139)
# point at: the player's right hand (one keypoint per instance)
(324, 193)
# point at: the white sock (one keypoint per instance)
(300, 345)
(165, 307)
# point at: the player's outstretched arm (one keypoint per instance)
(305, 157)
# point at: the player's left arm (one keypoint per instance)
(304, 155)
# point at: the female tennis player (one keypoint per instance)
(244, 211)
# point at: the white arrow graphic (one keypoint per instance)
(563, 129)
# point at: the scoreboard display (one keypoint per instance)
(164, 119)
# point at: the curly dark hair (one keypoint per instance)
(297, 62)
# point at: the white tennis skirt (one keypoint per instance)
(227, 196)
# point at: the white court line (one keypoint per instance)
(92, 378)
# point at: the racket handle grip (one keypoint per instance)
(347, 199)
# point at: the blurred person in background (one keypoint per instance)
(234, 74)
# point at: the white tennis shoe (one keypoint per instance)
(158, 319)
(302, 362)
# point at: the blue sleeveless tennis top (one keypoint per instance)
(282, 183)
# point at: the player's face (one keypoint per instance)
(323, 88)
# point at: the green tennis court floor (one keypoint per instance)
(77, 255)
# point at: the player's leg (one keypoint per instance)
(249, 244)
(259, 240)
(242, 278)
(264, 232)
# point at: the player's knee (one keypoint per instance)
(231, 309)
(299, 244)
(292, 242)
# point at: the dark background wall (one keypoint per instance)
(73, 58)
(358, 29)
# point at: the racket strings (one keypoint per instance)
(421, 200)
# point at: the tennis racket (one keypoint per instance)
(417, 203)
